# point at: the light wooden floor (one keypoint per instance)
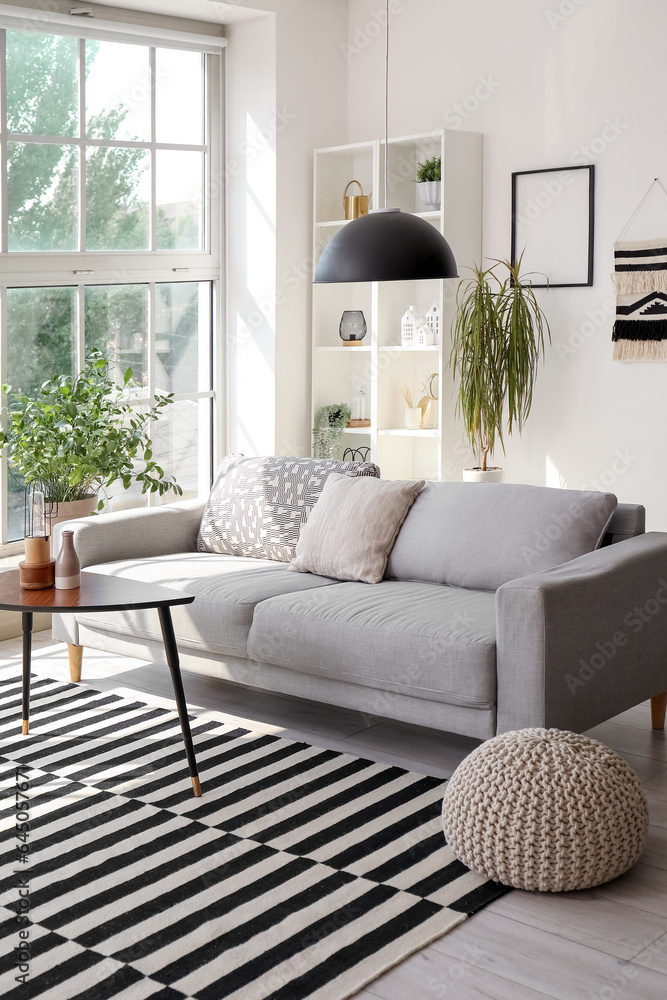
(606, 944)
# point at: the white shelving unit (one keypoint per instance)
(381, 366)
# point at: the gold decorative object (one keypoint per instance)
(424, 405)
(355, 204)
(431, 390)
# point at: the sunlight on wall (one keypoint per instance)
(256, 329)
(260, 264)
(261, 217)
(260, 152)
(254, 389)
(553, 476)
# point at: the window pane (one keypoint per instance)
(183, 337)
(118, 91)
(41, 325)
(182, 445)
(117, 325)
(179, 199)
(117, 198)
(43, 196)
(179, 97)
(42, 84)
(15, 509)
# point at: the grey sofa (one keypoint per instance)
(564, 646)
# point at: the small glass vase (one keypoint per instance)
(359, 411)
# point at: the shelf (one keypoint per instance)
(426, 432)
(346, 350)
(337, 222)
(419, 138)
(330, 223)
(383, 362)
(349, 149)
(410, 350)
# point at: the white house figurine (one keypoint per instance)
(424, 336)
(411, 325)
(409, 328)
(434, 321)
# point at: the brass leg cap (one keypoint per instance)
(197, 787)
(24, 726)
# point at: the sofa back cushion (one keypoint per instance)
(480, 535)
(258, 505)
(628, 521)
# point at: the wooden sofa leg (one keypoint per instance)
(659, 710)
(75, 661)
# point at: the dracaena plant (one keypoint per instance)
(498, 339)
(81, 436)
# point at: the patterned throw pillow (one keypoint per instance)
(258, 506)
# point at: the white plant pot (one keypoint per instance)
(493, 475)
(429, 192)
(413, 418)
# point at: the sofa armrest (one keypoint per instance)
(127, 534)
(583, 641)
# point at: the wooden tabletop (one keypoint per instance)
(98, 592)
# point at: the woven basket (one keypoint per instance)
(545, 809)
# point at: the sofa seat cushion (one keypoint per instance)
(226, 590)
(409, 638)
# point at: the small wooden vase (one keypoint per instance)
(37, 571)
(68, 567)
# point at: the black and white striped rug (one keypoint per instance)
(301, 872)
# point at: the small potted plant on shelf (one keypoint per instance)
(80, 437)
(328, 430)
(498, 340)
(429, 175)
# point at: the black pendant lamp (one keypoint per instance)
(387, 244)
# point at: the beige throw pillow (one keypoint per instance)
(353, 527)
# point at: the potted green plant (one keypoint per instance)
(328, 430)
(81, 436)
(429, 176)
(498, 340)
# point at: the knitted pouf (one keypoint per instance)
(545, 809)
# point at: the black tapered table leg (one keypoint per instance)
(26, 625)
(171, 650)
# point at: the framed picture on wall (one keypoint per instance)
(553, 221)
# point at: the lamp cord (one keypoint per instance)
(386, 108)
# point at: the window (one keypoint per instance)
(108, 240)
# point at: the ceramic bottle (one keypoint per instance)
(68, 567)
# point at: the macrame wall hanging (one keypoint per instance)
(640, 277)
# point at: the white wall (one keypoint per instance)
(287, 94)
(251, 227)
(542, 80)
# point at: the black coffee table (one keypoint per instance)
(99, 592)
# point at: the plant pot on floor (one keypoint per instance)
(492, 475)
(429, 193)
